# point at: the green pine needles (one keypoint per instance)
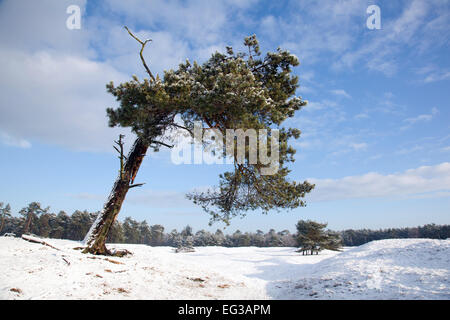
(242, 90)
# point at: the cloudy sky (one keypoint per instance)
(375, 134)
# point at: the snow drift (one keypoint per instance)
(386, 269)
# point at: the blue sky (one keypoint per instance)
(375, 134)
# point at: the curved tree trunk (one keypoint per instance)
(95, 239)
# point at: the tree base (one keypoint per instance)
(105, 252)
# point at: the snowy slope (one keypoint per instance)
(387, 269)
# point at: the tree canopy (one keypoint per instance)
(242, 90)
(312, 237)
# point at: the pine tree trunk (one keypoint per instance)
(95, 239)
(3, 224)
(28, 224)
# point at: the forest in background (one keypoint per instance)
(41, 222)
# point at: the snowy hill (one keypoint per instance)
(386, 269)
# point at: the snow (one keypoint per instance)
(386, 269)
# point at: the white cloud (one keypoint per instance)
(200, 22)
(375, 157)
(269, 26)
(67, 108)
(363, 115)
(341, 92)
(35, 25)
(429, 181)
(58, 99)
(315, 32)
(421, 118)
(345, 144)
(410, 150)
(359, 146)
(422, 182)
(52, 87)
(15, 142)
(437, 76)
(379, 49)
(335, 33)
(319, 105)
(433, 73)
(164, 52)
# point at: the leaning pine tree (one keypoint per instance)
(229, 91)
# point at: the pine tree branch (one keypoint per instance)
(181, 127)
(163, 144)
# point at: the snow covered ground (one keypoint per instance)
(387, 269)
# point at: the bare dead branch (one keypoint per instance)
(143, 43)
(121, 155)
(68, 263)
(136, 185)
(36, 240)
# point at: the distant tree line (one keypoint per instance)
(40, 221)
(358, 237)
